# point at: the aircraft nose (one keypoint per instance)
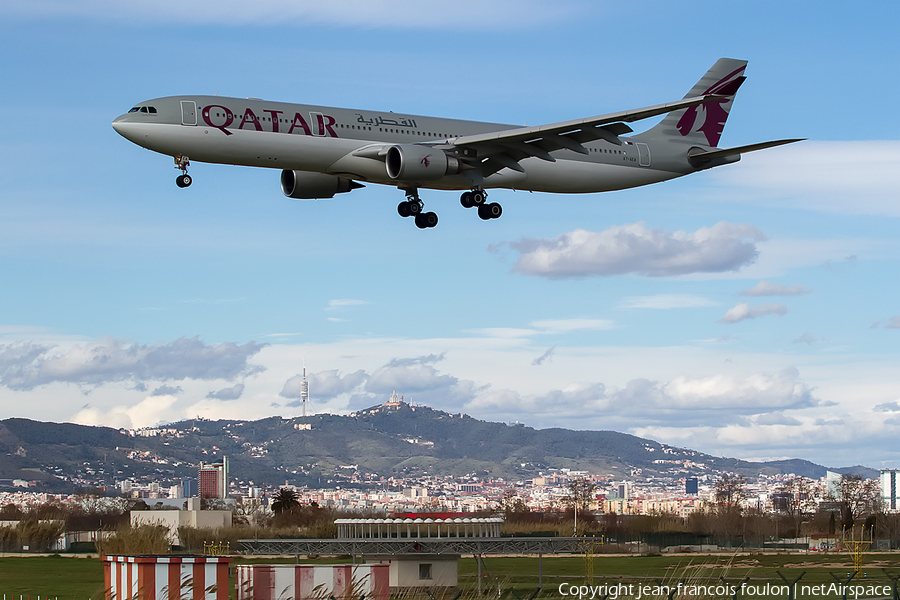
(124, 127)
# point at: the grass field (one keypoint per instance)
(72, 578)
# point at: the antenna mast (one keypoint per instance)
(304, 388)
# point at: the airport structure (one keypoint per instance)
(192, 516)
(420, 552)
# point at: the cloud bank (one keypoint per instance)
(637, 249)
(24, 366)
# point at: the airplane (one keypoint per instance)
(324, 151)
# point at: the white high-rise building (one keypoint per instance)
(833, 484)
(889, 491)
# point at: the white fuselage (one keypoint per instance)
(345, 143)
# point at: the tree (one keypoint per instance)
(284, 501)
(581, 494)
(730, 497)
(798, 500)
(858, 497)
(513, 507)
(730, 492)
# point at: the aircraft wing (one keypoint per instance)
(506, 148)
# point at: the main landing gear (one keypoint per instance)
(486, 210)
(413, 207)
(183, 180)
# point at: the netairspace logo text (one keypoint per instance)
(768, 590)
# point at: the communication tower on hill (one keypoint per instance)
(304, 389)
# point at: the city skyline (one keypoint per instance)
(748, 311)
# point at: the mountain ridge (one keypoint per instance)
(365, 449)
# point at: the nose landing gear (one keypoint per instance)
(182, 163)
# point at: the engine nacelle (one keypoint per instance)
(411, 162)
(306, 185)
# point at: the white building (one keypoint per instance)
(889, 481)
(173, 519)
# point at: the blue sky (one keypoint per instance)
(127, 301)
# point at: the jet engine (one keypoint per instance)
(305, 185)
(411, 162)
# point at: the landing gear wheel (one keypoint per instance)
(403, 209)
(478, 197)
(466, 200)
(183, 181)
(490, 211)
(415, 207)
(426, 220)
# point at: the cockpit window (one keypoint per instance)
(144, 109)
(135, 109)
(152, 110)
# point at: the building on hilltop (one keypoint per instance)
(395, 401)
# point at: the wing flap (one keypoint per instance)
(612, 123)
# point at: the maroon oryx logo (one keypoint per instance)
(426, 162)
(715, 112)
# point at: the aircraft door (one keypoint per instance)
(643, 154)
(188, 112)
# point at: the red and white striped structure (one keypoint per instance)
(313, 582)
(166, 577)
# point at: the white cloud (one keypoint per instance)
(767, 288)
(24, 366)
(682, 395)
(636, 249)
(166, 390)
(543, 357)
(743, 311)
(342, 303)
(691, 401)
(151, 411)
(391, 14)
(806, 338)
(324, 384)
(892, 323)
(545, 327)
(857, 177)
(504, 332)
(777, 418)
(230, 393)
(568, 325)
(667, 301)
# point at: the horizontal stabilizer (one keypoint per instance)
(700, 158)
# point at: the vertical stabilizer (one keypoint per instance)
(703, 124)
